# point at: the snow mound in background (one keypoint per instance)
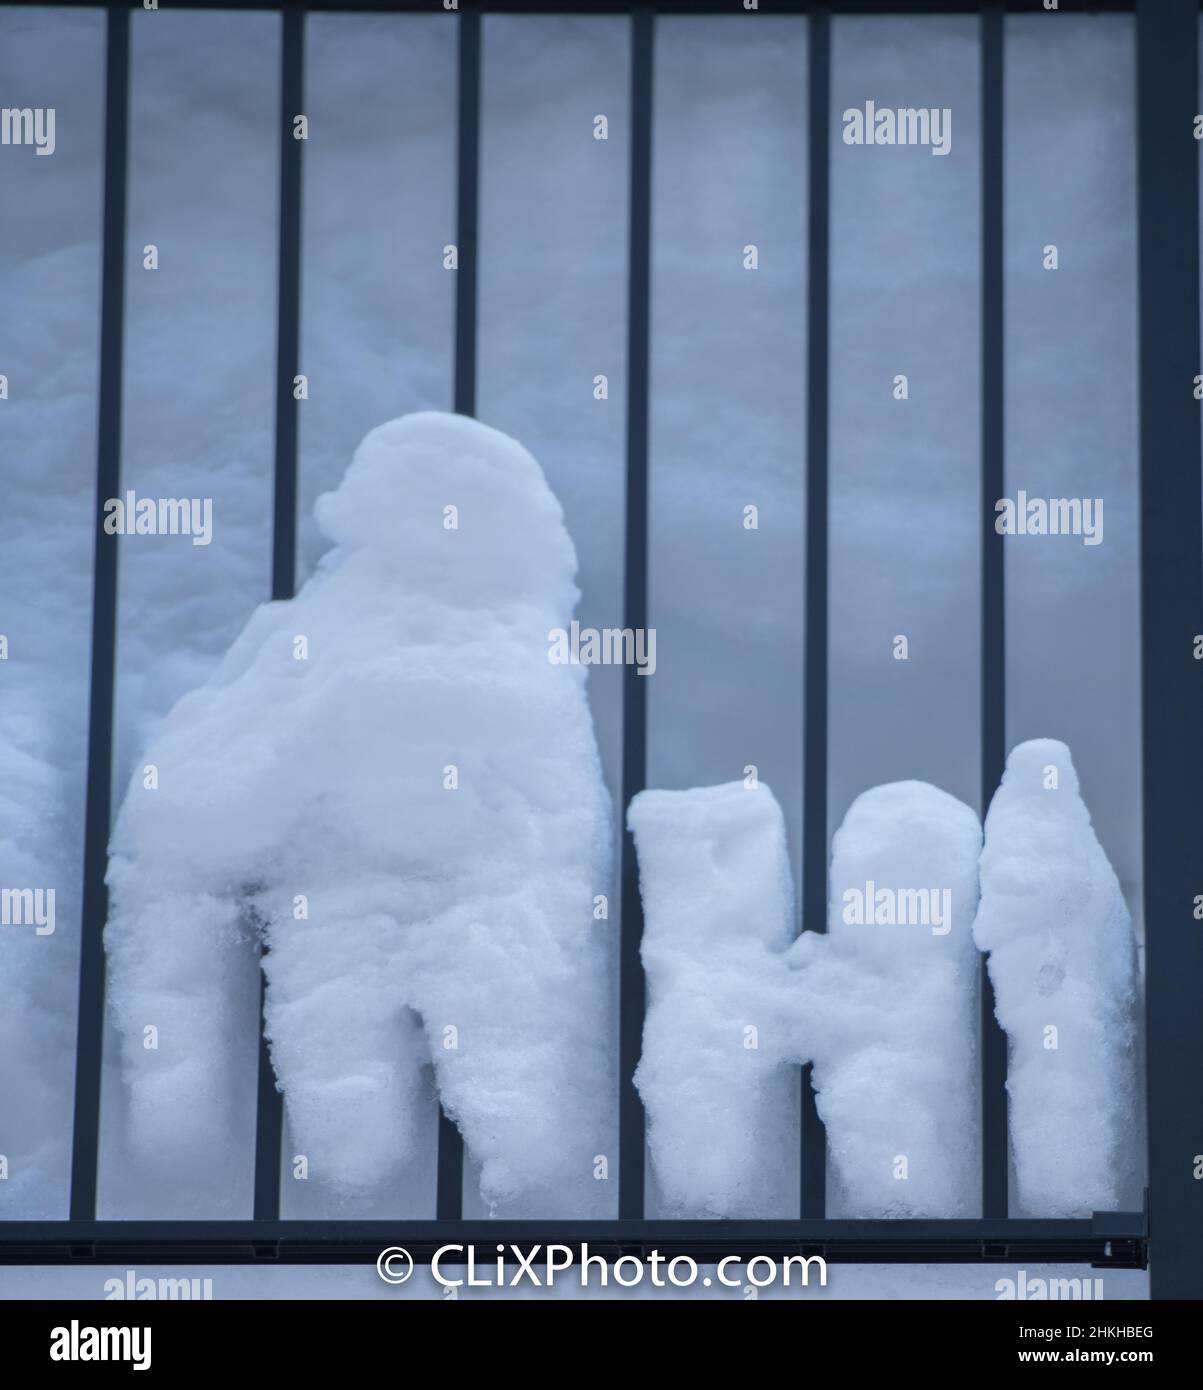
(453, 926)
(888, 1011)
(1063, 958)
(718, 911)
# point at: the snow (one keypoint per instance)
(446, 925)
(904, 490)
(361, 1282)
(1063, 967)
(49, 288)
(885, 1003)
(887, 1012)
(718, 910)
(728, 425)
(1070, 411)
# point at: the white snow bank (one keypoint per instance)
(718, 911)
(37, 989)
(1063, 967)
(888, 1007)
(886, 1011)
(448, 924)
(49, 292)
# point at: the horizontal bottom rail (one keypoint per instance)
(1113, 1239)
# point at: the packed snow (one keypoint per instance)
(388, 779)
(361, 1282)
(884, 1003)
(889, 1007)
(1063, 967)
(49, 290)
(718, 912)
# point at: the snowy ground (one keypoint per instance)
(362, 1282)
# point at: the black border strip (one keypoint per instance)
(1171, 573)
(1110, 1239)
(767, 8)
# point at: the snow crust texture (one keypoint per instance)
(885, 1003)
(884, 1010)
(1063, 967)
(718, 913)
(412, 818)
(888, 1008)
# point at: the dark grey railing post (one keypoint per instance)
(467, 210)
(1171, 569)
(632, 992)
(89, 1043)
(449, 1198)
(814, 733)
(993, 632)
(270, 1110)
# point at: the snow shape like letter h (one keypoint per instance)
(388, 782)
(883, 1003)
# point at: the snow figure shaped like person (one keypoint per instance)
(390, 783)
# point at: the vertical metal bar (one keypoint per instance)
(449, 1199)
(814, 734)
(270, 1111)
(449, 1189)
(90, 1020)
(1171, 542)
(632, 991)
(993, 632)
(467, 210)
(288, 303)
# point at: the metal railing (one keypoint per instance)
(1171, 1227)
